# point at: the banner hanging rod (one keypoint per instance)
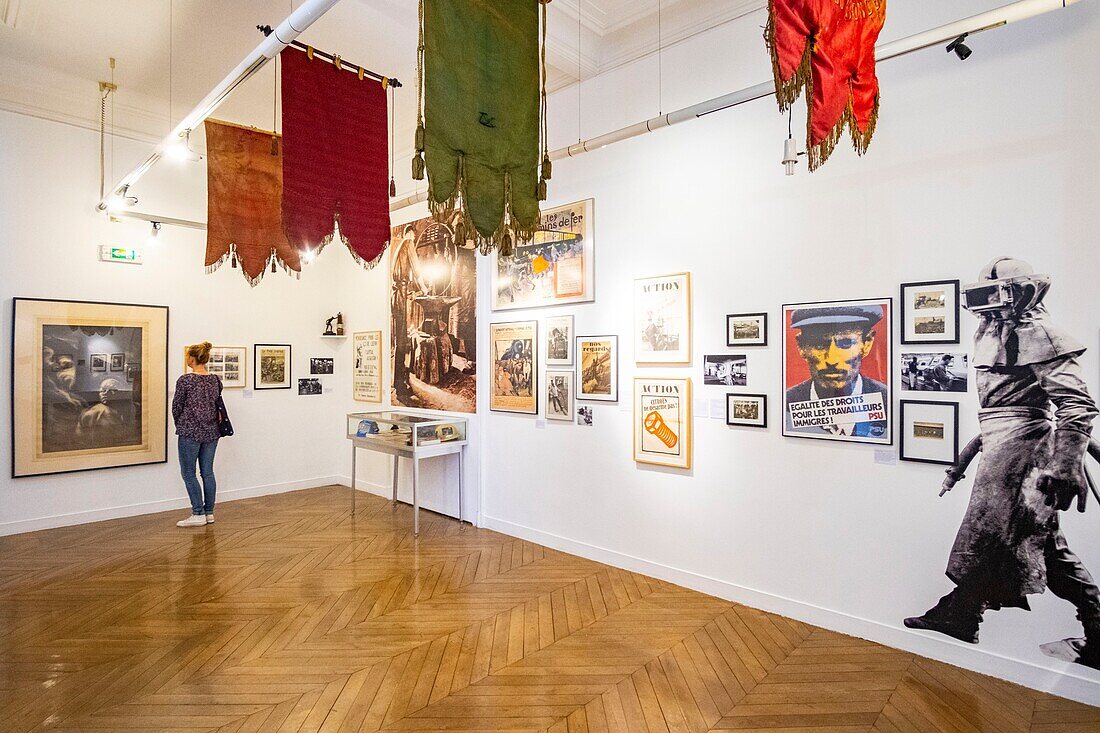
(339, 62)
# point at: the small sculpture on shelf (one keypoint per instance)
(338, 330)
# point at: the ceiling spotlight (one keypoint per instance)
(790, 155)
(961, 49)
(308, 255)
(181, 149)
(153, 234)
(121, 199)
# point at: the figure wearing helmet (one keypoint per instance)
(1032, 467)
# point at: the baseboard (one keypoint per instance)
(1065, 684)
(152, 507)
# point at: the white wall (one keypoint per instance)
(971, 160)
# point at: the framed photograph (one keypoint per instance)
(228, 362)
(929, 431)
(747, 329)
(584, 416)
(320, 365)
(559, 395)
(559, 341)
(118, 362)
(555, 268)
(747, 410)
(366, 373)
(662, 421)
(272, 365)
(515, 367)
(934, 371)
(309, 386)
(662, 319)
(837, 370)
(598, 370)
(730, 370)
(930, 312)
(68, 412)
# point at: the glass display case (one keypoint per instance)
(408, 435)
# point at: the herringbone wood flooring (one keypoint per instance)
(289, 614)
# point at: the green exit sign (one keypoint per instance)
(125, 255)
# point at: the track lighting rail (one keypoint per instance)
(338, 61)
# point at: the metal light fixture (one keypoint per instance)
(961, 49)
(181, 149)
(121, 199)
(153, 234)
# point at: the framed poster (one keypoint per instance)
(366, 376)
(934, 371)
(930, 312)
(272, 364)
(559, 341)
(515, 367)
(837, 370)
(662, 421)
(747, 329)
(598, 369)
(555, 268)
(747, 410)
(559, 395)
(228, 362)
(730, 370)
(433, 317)
(69, 413)
(929, 431)
(662, 319)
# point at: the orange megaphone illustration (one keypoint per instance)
(655, 425)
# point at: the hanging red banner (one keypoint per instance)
(244, 184)
(335, 158)
(827, 48)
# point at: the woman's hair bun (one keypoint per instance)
(200, 352)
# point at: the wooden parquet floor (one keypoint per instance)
(290, 614)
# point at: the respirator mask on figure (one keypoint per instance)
(1008, 288)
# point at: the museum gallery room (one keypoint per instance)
(550, 365)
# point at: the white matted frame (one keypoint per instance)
(559, 341)
(272, 366)
(662, 421)
(662, 319)
(747, 410)
(559, 394)
(929, 431)
(930, 312)
(598, 368)
(230, 363)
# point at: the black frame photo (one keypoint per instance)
(951, 410)
(949, 311)
(762, 340)
(257, 367)
(761, 399)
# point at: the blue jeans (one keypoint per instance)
(192, 452)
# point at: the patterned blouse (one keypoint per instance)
(195, 407)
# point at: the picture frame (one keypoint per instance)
(821, 400)
(559, 341)
(747, 329)
(230, 363)
(366, 373)
(272, 366)
(67, 416)
(935, 371)
(309, 386)
(929, 431)
(662, 421)
(729, 370)
(321, 365)
(118, 362)
(930, 312)
(557, 267)
(598, 368)
(747, 410)
(662, 319)
(515, 380)
(559, 394)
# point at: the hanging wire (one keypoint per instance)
(171, 60)
(660, 65)
(579, 138)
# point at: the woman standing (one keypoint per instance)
(195, 411)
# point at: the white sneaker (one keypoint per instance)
(210, 518)
(195, 520)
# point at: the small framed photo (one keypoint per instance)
(930, 432)
(559, 341)
(320, 365)
(930, 312)
(747, 410)
(598, 368)
(747, 329)
(730, 370)
(98, 362)
(559, 395)
(272, 365)
(309, 386)
(118, 362)
(934, 371)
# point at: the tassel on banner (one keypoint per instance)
(393, 187)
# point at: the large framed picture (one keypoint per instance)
(366, 374)
(598, 369)
(747, 410)
(515, 367)
(929, 431)
(662, 319)
(662, 421)
(930, 312)
(747, 329)
(555, 268)
(272, 366)
(559, 341)
(228, 362)
(559, 394)
(836, 370)
(69, 413)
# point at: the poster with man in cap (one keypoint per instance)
(836, 371)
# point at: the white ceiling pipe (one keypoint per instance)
(934, 37)
(302, 18)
